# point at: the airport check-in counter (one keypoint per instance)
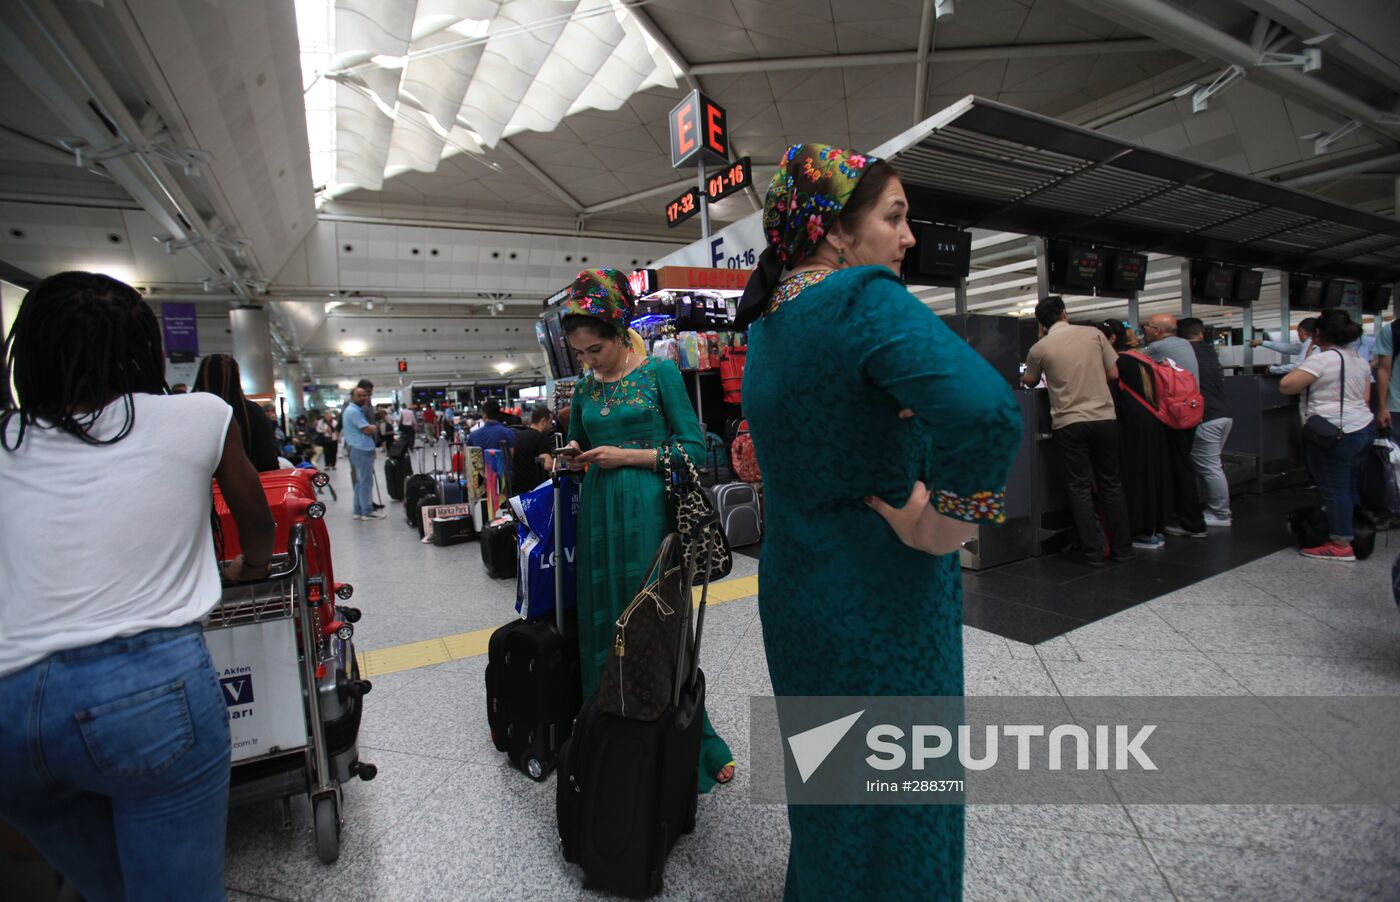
(1034, 493)
(1266, 438)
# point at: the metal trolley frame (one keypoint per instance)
(330, 688)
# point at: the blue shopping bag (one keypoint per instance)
(534, 512)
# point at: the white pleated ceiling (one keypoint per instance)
(419, 80)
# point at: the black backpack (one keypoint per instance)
(1380, 495)
(1309, 527)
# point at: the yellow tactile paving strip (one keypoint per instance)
(397, 658)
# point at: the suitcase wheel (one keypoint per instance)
(327, 829)
(535, 768)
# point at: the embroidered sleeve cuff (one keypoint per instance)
(989, 506)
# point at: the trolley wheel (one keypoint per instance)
(535, 769)
(327, 830)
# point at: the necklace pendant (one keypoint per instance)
(603, 411)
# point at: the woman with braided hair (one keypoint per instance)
(114, 738)
(218, 374)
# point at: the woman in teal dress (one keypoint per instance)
(625, 412)
(857, 596)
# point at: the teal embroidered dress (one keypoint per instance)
(622, 512)
(847, 609)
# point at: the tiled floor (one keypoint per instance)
(448, 819)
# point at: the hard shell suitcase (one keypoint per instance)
(450, 489)
(628, 789)
(739, 516)
(291, 494)
(533, 686)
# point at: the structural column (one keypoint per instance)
(291, 380)
(252, 348)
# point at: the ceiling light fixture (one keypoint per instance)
(943, 9)
(352, 348)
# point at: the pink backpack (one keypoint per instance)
(1180, 404)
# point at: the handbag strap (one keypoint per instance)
(1341, 389)
(669, 544)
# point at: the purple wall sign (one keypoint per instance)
(181, 332)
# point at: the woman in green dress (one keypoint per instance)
(625, 411)
(859, 597)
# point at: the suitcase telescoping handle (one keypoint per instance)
(560, 558)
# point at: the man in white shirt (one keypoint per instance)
(407, 423)
(1302, 348)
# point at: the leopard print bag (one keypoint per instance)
(693, 515)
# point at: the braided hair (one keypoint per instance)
(219, 374)
(81, 340)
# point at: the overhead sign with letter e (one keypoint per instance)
(698, 126)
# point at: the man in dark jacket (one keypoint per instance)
(492, 433)
(1215, 427)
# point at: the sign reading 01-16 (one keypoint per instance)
(730, 180)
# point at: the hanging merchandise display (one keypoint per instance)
(497, 465)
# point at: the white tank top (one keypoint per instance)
(98, 541)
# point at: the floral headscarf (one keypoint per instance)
(604, 294)
(807, 193)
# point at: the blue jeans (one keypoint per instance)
(116, 765)
(1337, 472)
(363, 464)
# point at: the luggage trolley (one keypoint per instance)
(292, 687)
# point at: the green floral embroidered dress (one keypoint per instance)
(622, 512)
(846, 608)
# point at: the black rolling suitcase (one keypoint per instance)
(532, 682)
(628, 789)
(396, 472)
(500, 550)
(419, 489)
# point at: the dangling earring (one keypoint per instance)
(840, 257)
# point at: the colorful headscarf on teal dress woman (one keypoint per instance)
(604, 294)
(807, 193)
